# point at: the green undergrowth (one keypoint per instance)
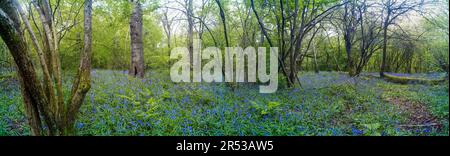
(119, 105)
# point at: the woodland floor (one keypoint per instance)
(329, 103)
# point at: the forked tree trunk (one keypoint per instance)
(56, 103)
(48, 85)
(44, 105)
(137, 50)
(34, 99)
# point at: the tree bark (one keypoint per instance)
(50, 40)
(58, 118)
(137, 51)
(316, 65)
(34, 98)
(82, 83)
(48, 85)
(383, 61)
(190, 20)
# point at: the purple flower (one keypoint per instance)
(356, 131)
(333, 131)
(80, 125)
(134, 124)
(190, 129)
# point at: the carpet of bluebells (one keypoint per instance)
(328, 103)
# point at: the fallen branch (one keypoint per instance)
(411, 80)
(425, 125)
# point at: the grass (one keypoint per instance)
(330, 103)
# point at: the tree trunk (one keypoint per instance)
(137, 50)
(59, 119)
(190, 19)
(48, 85)
(51, 47)
(33, 96)
(383, 61)
(348, 35)
(82, 83)
(316, 65)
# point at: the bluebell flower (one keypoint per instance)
(134, 124)
(80, 125)
(9, 121)
(356, 131)
(183, 130)
(94, 110)
(333, 131)
(190, 129)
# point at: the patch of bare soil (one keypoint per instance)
(419, 116)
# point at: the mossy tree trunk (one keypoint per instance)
(44, 104)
